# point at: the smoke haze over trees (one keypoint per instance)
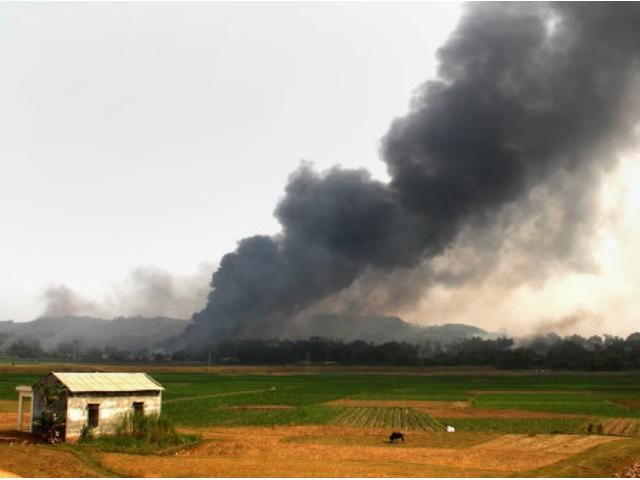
(500, 157)
(145, 340)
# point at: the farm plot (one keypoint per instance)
(393, 417)
(622, 427)
(518, 425)
(585, 404)
(628, 403)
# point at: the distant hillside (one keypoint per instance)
(132, 333)
(379, 329)
(137, 333)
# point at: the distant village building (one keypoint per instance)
(98, 400)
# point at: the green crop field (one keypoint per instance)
(193, 399)
(338, 422)
(396, 418)
(9, 381)
(204, 399)
(584, 403)
(519, 425)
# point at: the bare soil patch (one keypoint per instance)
(8, 421)
(39, 461)
(630, 472)
(552, 444)
(413, 439)
(8, 406)
(633, 403)
(308, 451)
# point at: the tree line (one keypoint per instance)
(539, 352)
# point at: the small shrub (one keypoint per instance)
(51, 422)
(51, 426)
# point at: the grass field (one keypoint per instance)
(339, 422)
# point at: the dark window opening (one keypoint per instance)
(138, 408)
(93, 410)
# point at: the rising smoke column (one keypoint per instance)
(525, 93)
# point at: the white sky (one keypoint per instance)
(160, 134)
(152, 137)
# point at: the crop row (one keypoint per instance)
(387, 417)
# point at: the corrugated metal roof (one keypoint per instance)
(107, 382)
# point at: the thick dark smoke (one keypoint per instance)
(527, 95)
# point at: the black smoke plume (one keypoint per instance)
(526, 94)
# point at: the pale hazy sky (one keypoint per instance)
(157, 135)
(142, 141)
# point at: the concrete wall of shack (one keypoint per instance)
(113, 406)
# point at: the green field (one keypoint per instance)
(338, 422)
(197, 399)
(587, 403)
(203, 399)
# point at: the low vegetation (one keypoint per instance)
(519, 425)
(395, 418)
(586, 404)
(139, 434)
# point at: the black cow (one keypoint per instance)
(396, 436)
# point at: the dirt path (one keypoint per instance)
(5, 474)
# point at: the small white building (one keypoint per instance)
(96, 399)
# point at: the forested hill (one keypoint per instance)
(379, 329)
(133, 334)
(124, 333)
